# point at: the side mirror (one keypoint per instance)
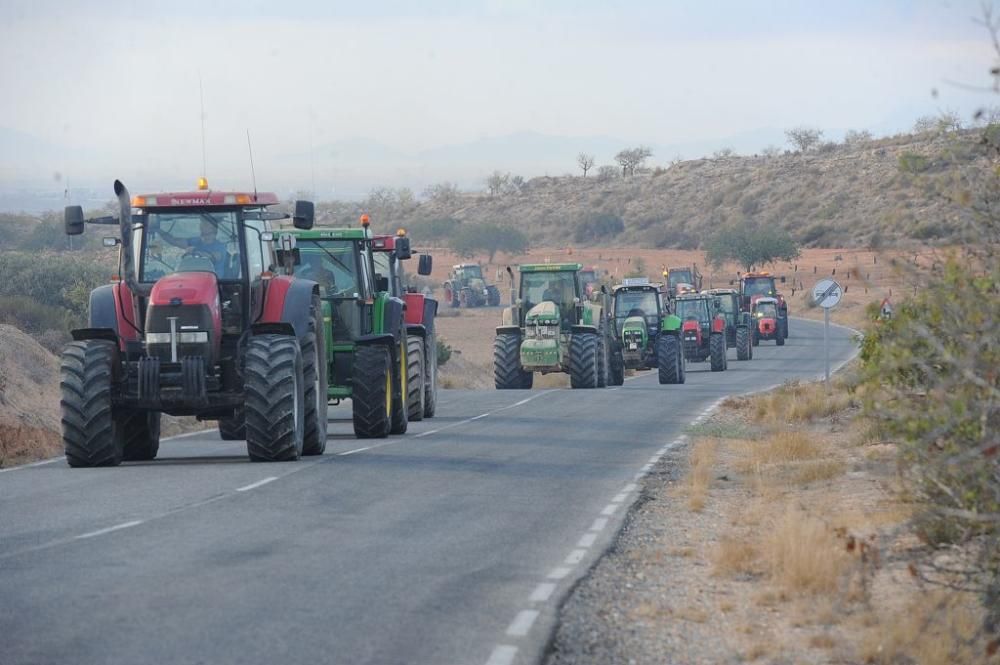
(267, 236)
(381, 283)
(424, 264)
(403, 248)
(782, 279)
(73, 220)
(110, 241)
(304, 216)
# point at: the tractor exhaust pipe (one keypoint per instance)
(125, 222)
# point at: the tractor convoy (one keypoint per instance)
(215, 314)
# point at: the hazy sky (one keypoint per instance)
(119, 81)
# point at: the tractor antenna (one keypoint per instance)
(253, 175)
(201, 95)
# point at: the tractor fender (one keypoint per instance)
(111, 316)
(384, 339)
(289, 300)
(273, 328)
(81, 334)
(393, 313)
(416, 330)
(671, 324)
(508, 330)
(719, 325)
(104, 308)
(578, 329)
(430, 313)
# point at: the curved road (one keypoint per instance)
(451, 544)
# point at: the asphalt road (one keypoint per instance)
(451, 544)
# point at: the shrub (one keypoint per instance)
(598, 226)
(443, 351)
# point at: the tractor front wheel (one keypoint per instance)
(669, 359)
(781, 333)
(371, 392)
(140, 435)
(507, 372)
(583, 360)
(91, 434)
(234, 428)
(415, 378)
(275, 398)
(602, 363)
(430, 376)
(717, 351)
(400, 376)
(616, 369)
(744, 350)
(315, 380)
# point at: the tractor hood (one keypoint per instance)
(634, 323)
(546, 313)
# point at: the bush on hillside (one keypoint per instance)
(598, 226)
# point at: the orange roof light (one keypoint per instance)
(365, 221)
(202, 184)
(401, 233)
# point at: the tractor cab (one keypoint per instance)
(703, 328)
(467, 271)
(558, 286)
(765, 313)
(637, 297)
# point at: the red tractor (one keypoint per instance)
(422, 381)
(196, 323)
(764, 314)
(754, 285)
(703, 329)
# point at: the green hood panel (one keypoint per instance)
(546, 313)
(671, 323)
(539, 353)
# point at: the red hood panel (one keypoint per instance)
(191, 288)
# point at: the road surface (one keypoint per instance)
(451, 544)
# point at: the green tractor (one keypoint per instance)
(738, 324)
(552, 327)
(703, 329)
(466, 287)
(649, 333)
(366, 343)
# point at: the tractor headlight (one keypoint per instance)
(182, 338)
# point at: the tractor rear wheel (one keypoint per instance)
(507, 372)
(717, 351)
(371, 392)
(602, 363)
(314, 377)
(782, 332)
(430, 376)
(91, 434)
(755, 336)
(744, 350)
(669, 359)
(492, 296)
(400, 376)
(616, 369)
(140, 435)
(275, 398)
(583, 361)
(235, 428)
(415, 377)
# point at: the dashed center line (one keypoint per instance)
(522, 623)
(542, 592)
(259, 483)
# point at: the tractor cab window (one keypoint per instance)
(330, 263)
(726, 305)
(256, 252)
(758, 287)
(767, 310)
(193, 241)
(693, 310)
(469, 272)
(676, 277)
(383, 266)
(557, 287)
(643, 303)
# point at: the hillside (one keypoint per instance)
(883, 192)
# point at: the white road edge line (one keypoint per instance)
(559, 573)
(542, 592)
(610, 509)
(251, 486)
(101, 532)
(599, 524)
(575, 557)
(522, 623)
(631, 487)
(587, 540)
(503, 654)
(619, 497)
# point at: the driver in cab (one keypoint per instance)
(207, 244)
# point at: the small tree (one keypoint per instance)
(632, 158)
(444, 193)
(496, 181)
(489, 238)
(804, 138)
(585, 162)
(607, 172)
(750, 245)
(722, 153)
(858, 137)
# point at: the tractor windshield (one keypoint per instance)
(469, 272)
(696, 310)
(767, 310)
(758, 286)
(636, 303)
(559, 287)
(332, 264)
(676, 277)
(191, 241)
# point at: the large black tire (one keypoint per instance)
(430, 376)
(90, 433)
(744, 350)
(602, 363)
(669, 359)
(507, 372)
(400, 376)
(755, 335)
(314, 376)
(415, 378)
(140, 435)
(583, 360)
(275, 398)
(371, 392)
(492, 296)
(782, 332)
(235, 428)
(616, 369)
(717, 351)
(785, 319)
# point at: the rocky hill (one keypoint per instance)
(29, 398)
(888, 191)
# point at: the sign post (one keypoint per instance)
(827, 293)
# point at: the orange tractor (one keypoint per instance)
(756, 285)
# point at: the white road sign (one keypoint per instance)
(827, 293)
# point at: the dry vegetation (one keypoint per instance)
(797, 543)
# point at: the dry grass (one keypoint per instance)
(703, 454)
(803, 554)
(936, 628)
(735, 555)
(782, 447)
(818, 470)
(800, 403)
